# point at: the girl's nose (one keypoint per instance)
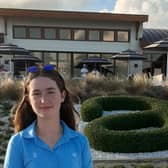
(42, 99)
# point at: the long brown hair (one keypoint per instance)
(25, 115)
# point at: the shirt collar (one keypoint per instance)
(30, 131)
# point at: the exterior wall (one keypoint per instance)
(135, 43)
(135, 67)
(73, 46)
(2, 26)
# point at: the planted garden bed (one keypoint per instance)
(145, 130)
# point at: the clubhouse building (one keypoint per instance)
(64, 38)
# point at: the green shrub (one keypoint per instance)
(133, 121)
(90, 110)
(143, 131)
(7, 105)
(107, 137)
(10, 89)
(93, 107)
(118, 166)
(144, 166)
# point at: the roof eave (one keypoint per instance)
(74, 15)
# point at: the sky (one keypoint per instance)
(156, 9)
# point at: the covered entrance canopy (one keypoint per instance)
(95, 63)
(162, 46)
(22, 62)
(127, 55)
(12, 49)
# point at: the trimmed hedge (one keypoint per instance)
(143, 131)
(93, 108)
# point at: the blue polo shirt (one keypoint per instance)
(27, 150)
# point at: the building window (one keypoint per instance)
(94, 35)
(19, 32)
(35, 33)
(79, 34)
(77, 58)
(1, 38)
(122, 36)
(65, 34)
(108, 35)
(93, 55)
(64, 64)
(49, 33)
(53, 33)
(136, 65)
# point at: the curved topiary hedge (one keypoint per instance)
(143, 131)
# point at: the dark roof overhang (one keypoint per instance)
(73, 15)
(152, 35)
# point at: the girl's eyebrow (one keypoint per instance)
(36, 90)
(50, 88)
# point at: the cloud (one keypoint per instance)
(45, 4)
(156, 9)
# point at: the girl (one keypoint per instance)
(45, 126)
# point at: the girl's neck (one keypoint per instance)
(48, 126)
(49, 131)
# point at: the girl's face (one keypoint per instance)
(45, 97)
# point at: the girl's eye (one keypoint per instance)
(50, 92)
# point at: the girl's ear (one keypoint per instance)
(63, 95)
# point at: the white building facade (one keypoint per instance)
(64, 38)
